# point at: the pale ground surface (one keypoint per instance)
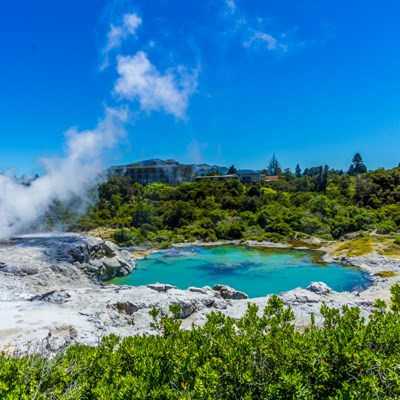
(49, 298)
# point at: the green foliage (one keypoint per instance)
(259, 356)
(387, 227)
(128, 237)
(357, 167)
(274, 167)
(232, 170)
(320, 202)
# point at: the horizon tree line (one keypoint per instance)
(274, 168)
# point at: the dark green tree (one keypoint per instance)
(324, 179)
(357, 167)
(232, 170)
(274, 167)
(298, 171)
(141, 215)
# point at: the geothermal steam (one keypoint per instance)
(64, 180)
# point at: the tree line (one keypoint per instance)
(319, 201)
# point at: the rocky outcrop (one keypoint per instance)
(35, 265)
(161, 287)
(229, 293)
(102, 260)
(54, 296)
(319, 288)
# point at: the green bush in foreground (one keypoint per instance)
(256, 357)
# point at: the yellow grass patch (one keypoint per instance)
(360, 247)
(102, 233)
(386, 274)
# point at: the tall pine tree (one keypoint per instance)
(274, 167)
(357, 167)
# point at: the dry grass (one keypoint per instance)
(102, 233)
(140, 254)
(386, 274)
(354, 248)
(382, 245)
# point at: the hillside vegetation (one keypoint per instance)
(319, 202)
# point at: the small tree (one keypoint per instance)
(357, 167)
(232, 170)
(298, 171)
(274, 167)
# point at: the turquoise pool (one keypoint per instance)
(256, 272)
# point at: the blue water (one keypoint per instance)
(253, 271)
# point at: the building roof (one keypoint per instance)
(272, 178)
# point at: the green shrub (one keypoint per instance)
(211, 238)
(178, 239)
(230, 230)
(273, 237)
(386, 227)
(282, 228)
(164, 245)
(128, 237)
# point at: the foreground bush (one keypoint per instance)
(256, 357)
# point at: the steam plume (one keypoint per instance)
(65, 179)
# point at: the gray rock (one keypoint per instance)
(127, 307)
(229, 293)
(60, 338)
(220, 304)
(319, 288)
(54, 296)
(187, 309)
(208, 301)
(203, 290)
(300, 296)
(17, 270)
(161, 287)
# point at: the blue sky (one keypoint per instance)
(216, 81)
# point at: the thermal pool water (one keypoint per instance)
(256, 272)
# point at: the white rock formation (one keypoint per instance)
(51, 294)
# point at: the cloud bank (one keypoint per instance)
(141, 81)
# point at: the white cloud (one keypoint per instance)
(131, 22)
(231, 5)
(265, 39)
(140, 80)
(117, 34)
